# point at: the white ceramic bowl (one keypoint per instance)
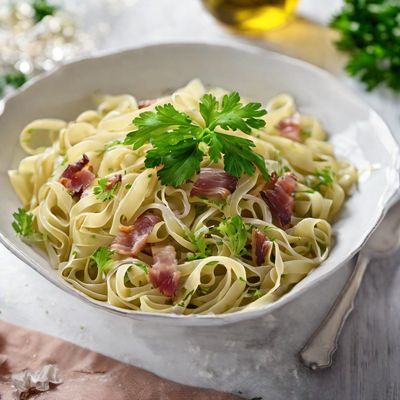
(357, 132)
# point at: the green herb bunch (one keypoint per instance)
(370, 33)
(180, 144)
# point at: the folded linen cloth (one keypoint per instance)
(59, 370)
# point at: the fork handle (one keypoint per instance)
(319, 350)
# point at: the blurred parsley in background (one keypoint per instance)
(370, 33)
(14, 79)
(42, 8)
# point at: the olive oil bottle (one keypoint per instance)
(252, 15)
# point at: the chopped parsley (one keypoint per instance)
(282, 169)
(23, 225)
(102, 258)
(187, 295)
(179, 143)
(218, 204)
(321, 177)
(64, 160)
(138, 264)
(110, 145)
(198, 240)
(204, 290)
(325, 176)
(235, 232)
(257, 293)
(102, 191)
(267, 230)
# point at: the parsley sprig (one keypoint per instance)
(179, 143)
(235, 232)
(102, 258)
(369, 32)
(23, 225)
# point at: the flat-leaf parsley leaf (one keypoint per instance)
(198, 240)
(23, 225)
(179, 143)
(102, 258)
(235, 232)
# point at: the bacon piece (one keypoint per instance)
(278, 194)
(214, 183)
(132, 239)
(289, 127)
(78, 177)
(260, 246)
(146, 103)
(164, 274)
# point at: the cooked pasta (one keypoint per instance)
(215, 243)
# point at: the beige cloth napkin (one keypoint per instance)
(85, 374)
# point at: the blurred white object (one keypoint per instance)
(31, 47)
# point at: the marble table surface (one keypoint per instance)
(257, 358)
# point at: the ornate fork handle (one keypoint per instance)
(318, 351)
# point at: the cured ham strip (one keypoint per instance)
(213, 183)
(78, 177)
(164, 274)
(260, 246)
(278, 194)
(113, 180)
(132, 239)
(289, 127)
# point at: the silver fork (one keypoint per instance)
(319, 350)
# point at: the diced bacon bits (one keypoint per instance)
(289, 127)
(260, 246)
(214, 183)
(163, 274)
(131, 239)
(78, 177)
(278, 194)
(146, 103)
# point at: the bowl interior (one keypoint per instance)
(357, 132)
